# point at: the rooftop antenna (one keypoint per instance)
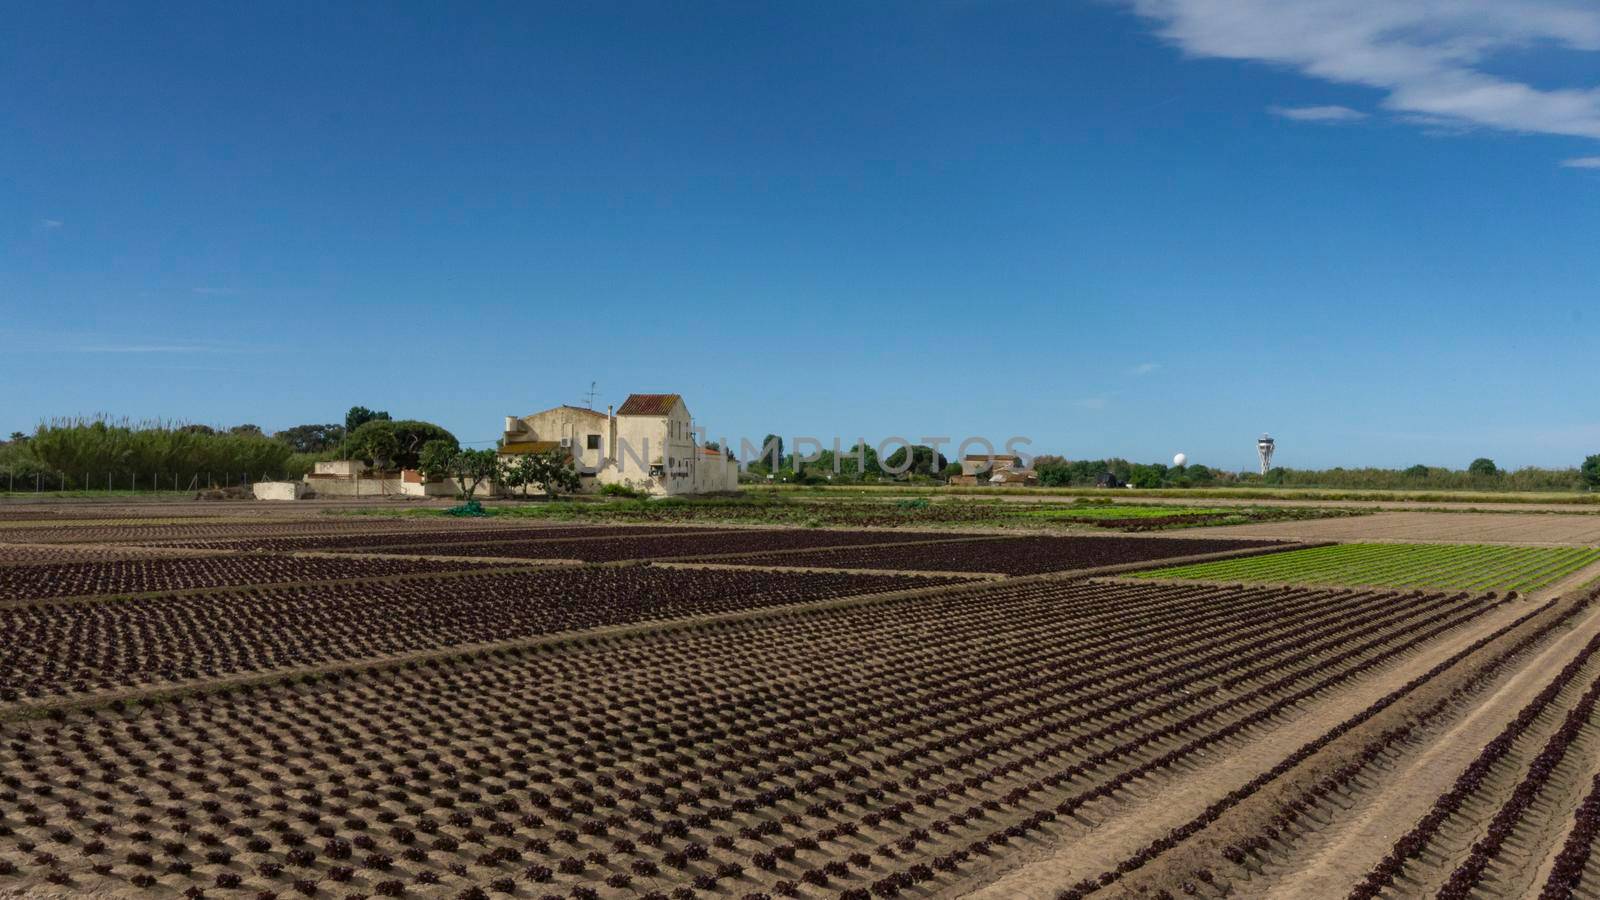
(1264, 446)
(588, 397)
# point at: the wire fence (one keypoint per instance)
(114, 482)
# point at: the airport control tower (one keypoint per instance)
(1264, 446)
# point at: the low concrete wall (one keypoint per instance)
(278, 490)
(326, 486)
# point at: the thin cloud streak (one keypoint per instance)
(1318, 113)
(1429, 59)
(1582, 162)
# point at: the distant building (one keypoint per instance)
(994, 469)
(1108, 480)
(647, 444)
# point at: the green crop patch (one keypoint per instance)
(1474, 567)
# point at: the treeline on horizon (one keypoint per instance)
(1481, 475)
(82, 452)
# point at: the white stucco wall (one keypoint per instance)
(278, 490)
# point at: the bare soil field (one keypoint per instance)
(276, 706)
(1434, 528)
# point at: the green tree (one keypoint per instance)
(1590, 470)
(376, 443)
(951, 470)
(359, 416)
(1483, 467)
(552, 470)
(410, 436)
(772, 458)
(18, 437)
(467, 468)
(437, 459)
(1152, 476)
(923, 461)
(1417, 471)
(312, 438)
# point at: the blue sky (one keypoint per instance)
(1124, 228)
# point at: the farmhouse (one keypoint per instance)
(994, 469)
(647, 444)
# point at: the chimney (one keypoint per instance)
(511, 424)
(611, 434)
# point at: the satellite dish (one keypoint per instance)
(1180, 459)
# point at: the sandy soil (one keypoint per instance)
(1138, 824)
(1351, 848)
(1433, 528)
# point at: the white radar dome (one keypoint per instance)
(1181, 459)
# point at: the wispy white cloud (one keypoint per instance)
(1430, 59)
(1582, 162)
(50, 224)
(1097, 402)
(1145, 368)
(1318, 113)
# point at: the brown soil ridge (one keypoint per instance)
(1139, 824)
(1182, 846)
(1404, 793)
(1306, 783)
(26, 709)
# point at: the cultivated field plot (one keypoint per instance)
(49, 554)
(137, 576)
(63, 649)
(1443, 566)
(63, 532)
(1543, 529)
(410, 540)
(668, 546)
(1005, 556)
(898, 746)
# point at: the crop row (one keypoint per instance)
(870, 749)
(1416, 841)
(1009, 556)
(651, 546)
(411, 540)
(1281, 821)
(132, 576)
(52, 554)
(1445, 567)
(74, 648)
(213, 531)
(1465, 879)
(1567, 872)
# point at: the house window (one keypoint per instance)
(594, 442)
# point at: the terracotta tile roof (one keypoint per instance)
(649, 404)
(978, 457)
